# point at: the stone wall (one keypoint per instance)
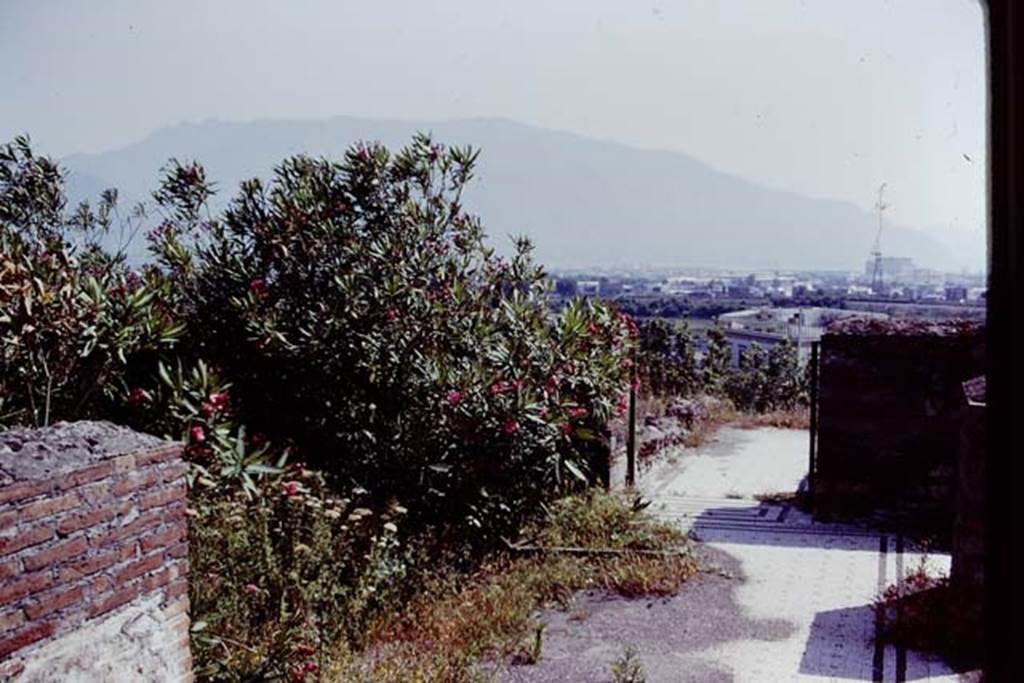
(93, 556)
(890, 407)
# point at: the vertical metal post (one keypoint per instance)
(814, 420)
(631, 441)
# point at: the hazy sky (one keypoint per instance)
(825, 97)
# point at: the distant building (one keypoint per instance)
(588, 287)
(894, 269)
(956, 294)
(608, 287)
(564, 287)
(976, 294)
(770, 327)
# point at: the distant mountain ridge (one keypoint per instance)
(583, 202)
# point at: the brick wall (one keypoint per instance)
(890, 408)
(93, 556)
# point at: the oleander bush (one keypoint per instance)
(359, 315)
(364, 388)
(75, 321)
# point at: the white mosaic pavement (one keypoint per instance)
(819, 577)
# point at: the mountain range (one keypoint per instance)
(583, 202)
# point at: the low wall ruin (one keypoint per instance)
(93, 556)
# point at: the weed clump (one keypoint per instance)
(921, 612)
(628, 669)
(491, 613)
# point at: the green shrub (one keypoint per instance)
(666, 359)
(767, 381)
(74, 320)
(357, 312)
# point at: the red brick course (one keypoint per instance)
(27, 584)
(24, 490)
(10, 642)
(162, 497)
(161, 539)
(53, 602)
(56, 554)
(48, 507)
(14, 542)
(119, 597)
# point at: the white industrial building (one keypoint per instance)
(769, 327)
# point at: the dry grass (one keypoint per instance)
(797, 499)
(459, 620)
(796, 418)
(719, 414)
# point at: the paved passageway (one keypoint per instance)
(793, 599)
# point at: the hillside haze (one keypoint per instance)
(583, 202)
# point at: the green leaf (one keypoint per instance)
(576, 472)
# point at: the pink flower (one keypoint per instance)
(577, 412)
(499, 388)
(305, 649)
(510, 427)
(454, 397)
(251, 588)
(567, 428)
(256, 287)
(138, 396)
(544, 412)
(197, 434)
(218, 399)
(290, 488)
(392, 314)
(310, 667)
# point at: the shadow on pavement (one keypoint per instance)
(830, 651)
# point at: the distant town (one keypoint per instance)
(901, 280)
(768, 308)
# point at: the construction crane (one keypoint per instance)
(876, 248)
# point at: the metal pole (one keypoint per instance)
(631, 442)
(814, 420)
